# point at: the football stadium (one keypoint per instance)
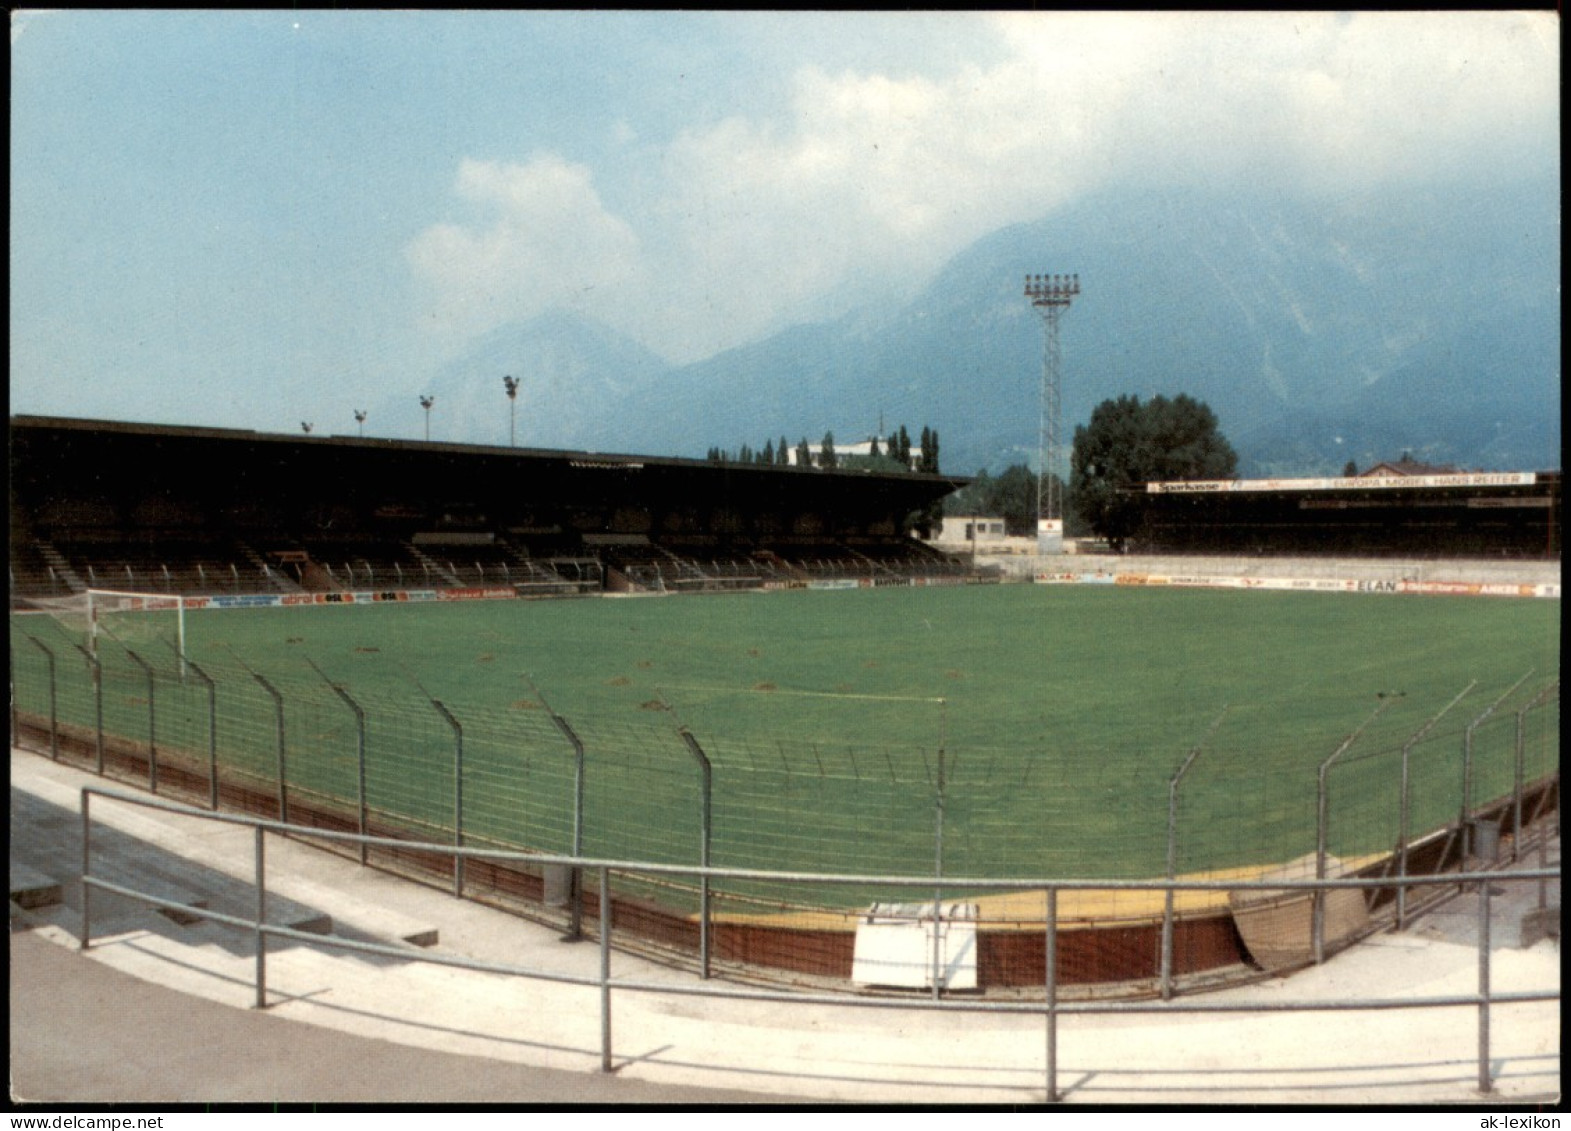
(692, 664)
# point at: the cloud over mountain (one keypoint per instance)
(864, 179)
(1319, 334)
(541, 240)
(263, 217)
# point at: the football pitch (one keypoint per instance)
(1037, 729)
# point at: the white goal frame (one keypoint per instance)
(133, 601)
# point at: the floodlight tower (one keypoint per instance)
(426, 403)
(1051, 296)
(511, 385)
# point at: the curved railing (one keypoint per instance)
(1051, 1008)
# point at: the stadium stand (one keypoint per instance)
(1491, 515)
(98, 504)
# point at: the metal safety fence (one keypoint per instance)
(1048, 926)
(1415, 789)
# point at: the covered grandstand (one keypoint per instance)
(99, 504)
(1512, 515)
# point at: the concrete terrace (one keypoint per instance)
(159, 1012)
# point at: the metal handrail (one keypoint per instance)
(1051, 1008)
(649, 867)
(961, 1005)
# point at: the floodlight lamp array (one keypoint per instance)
(1052, 290)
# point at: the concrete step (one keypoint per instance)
(363, 918)
(1539, 924)
(31, 888)
(134, 864)
(123, 914)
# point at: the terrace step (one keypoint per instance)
(279, 581)
(445, 576)
(1539, 924)
(62, 568)
(359, 917)
(31, 888)
(217, 893)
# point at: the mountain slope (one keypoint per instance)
(1350, 330)
(576, 380)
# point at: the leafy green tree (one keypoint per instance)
(826, 452)
(783, 452)
(1127, 444)
(1349, 470)
(804, 454)
(768, 455)
(1014, 498)
(972, 498)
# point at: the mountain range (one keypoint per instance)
(1353, 329)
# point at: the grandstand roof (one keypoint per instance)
(214, 469)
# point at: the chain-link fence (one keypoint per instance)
(1416, 788)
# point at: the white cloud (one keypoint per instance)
(865, 179)
(548, 241)
(869, 180)
(1421, 94)
(1315, 101)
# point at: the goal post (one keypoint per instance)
(129, 617)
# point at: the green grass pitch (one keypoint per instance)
(1053, 717)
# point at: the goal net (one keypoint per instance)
(147, 623)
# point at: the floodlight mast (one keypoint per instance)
(1051, 296)
(511, 385)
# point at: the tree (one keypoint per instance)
(804, 454)
(768, 455)
(1127, 444)
(826, 452)
(1350, 470)
(783, 452)
(974, 498)
(1014, 498)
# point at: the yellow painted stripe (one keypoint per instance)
(1025, 910)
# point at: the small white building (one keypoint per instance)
(971, 528)
(861, 448)
(988, 535)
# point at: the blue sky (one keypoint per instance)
(249, 219)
